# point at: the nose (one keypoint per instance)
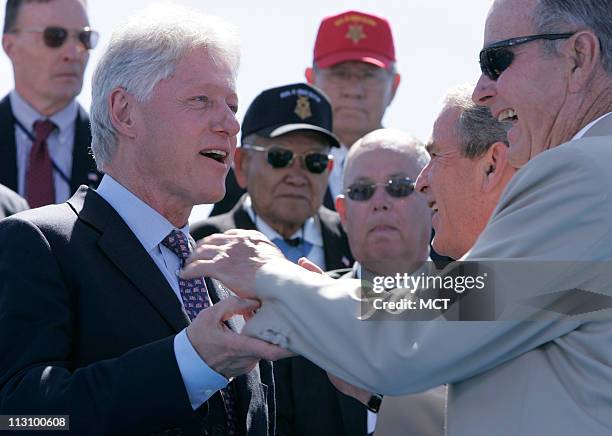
(485, 91)
(353, 89)
(226, 123)
(381, 200)
(73, 49)
(422, 182)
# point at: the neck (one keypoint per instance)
(175, 211)
(286, 230)
(390, 267)
(588, 109)
(41, 105)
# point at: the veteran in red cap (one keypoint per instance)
(354, 64)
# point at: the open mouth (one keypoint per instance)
(508, 115)
(218, 155)
(433, 206)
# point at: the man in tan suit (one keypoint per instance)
(547, 68)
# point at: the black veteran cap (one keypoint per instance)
(289, 108)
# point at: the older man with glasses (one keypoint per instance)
(284, 164)
(46, 132)
(545, 366)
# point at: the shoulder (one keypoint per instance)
(556, 207)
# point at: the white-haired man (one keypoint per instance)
(102, 329)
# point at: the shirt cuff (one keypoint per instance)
(201, 382)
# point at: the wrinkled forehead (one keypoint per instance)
(509, 19)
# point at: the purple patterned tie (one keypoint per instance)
(195, 298)
(40, 188)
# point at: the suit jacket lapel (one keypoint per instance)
(8, 149)
(335, 244)
(82, 162)
(242, 220)
(125, 251)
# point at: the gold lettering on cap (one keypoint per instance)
(355, 33)
(302, 107)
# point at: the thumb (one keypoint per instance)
(231, 306)
(306, 264)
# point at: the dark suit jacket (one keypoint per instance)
(11, 202)
(83, 165)
(87, 326)
(309, 404)
(335, 242)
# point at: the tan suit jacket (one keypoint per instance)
(553, 376)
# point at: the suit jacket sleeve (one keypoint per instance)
(37, 310)
(553, 209)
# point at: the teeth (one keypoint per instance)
(433, 206)
(220, 153)
(506, 115)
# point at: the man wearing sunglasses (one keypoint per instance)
(550, 374)
(284, 164)
(45, 155)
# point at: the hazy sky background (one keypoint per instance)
(436, 42)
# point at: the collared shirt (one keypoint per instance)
(150, 228)
(60, 143)
(310, 232)
(586, 128)
(335, 177)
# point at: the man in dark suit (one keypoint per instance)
(10, 202)
(102, 329)
(45, 135)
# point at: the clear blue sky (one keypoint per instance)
(437, 44)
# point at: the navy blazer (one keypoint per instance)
(87, 326)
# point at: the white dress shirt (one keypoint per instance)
(150, 228)
(335, 177)
(60, 143)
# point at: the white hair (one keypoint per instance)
(147, 50)
(388, 139)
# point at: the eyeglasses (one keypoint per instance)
(398, 187)
(55, 37)
(369, 77)
(495, 58)
(279, 157)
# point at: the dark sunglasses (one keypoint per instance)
(279, 157)
(55, 37)
(398, 187)
(495, 58)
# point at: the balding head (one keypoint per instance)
(388, 232)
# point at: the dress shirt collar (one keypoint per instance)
(312, 231)
(149, 226)
(27, 115)
(586, 128)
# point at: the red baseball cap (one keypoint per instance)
(354, 36)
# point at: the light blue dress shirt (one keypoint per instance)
(150, 228)
(60, 143)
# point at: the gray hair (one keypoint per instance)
(146, 51)
(551, 16)
(476, 127)
(388, 139)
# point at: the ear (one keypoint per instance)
(341, 209)
(583, 53)
(396, 81)
(121, 108)
(241, 159)
(8, 44)
(493, 166)
(310, 75)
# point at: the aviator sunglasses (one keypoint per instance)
(55, 36)
(279, 157)
(398, 187)
(495, 58)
